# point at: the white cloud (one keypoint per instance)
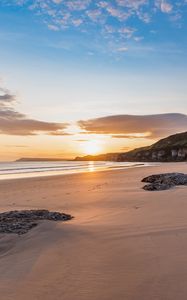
(117, 13)
(136, 126)
(65, 14)
(13, 122)
(94, 14)
(127, 31)
(122, 49)
(166, 7)
(57, 1)
(53, 27)
(135, 4)
(77, 22)
(77, 4)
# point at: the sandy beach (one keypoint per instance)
(124, 243)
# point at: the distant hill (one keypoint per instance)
(172, 148)
(37, 159)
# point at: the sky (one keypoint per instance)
(84, 77)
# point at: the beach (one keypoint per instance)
(123, 243)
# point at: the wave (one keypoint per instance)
(12, 170)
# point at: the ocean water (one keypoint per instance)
(13, 170)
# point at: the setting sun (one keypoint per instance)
(91, 147)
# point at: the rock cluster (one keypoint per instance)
(164, 181)
(21, 222)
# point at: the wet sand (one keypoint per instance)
(124, 243)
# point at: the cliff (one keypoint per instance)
(172, 148)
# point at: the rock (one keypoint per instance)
(164, 181)
(157, 187)
(21, 222)
(160, 177)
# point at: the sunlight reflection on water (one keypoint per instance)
(91, 166)
(12, 170)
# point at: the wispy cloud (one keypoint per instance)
(82, 140)
(6, 98)
(13, 122)
(111, 18)
(136, 126)
(15, 146)
(164, 6)
(77, 5)
(129, 136)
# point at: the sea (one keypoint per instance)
(14, 170)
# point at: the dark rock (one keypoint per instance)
(164, 181)
(157, 187)
(175, 177)
(21, 222)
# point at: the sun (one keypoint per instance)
(91, 147)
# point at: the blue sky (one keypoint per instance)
(67, 61)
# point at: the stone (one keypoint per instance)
(157, 187)
(164, 181)
(22, 221)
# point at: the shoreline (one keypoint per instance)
(40, 174)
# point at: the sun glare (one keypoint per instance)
(91, 147)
